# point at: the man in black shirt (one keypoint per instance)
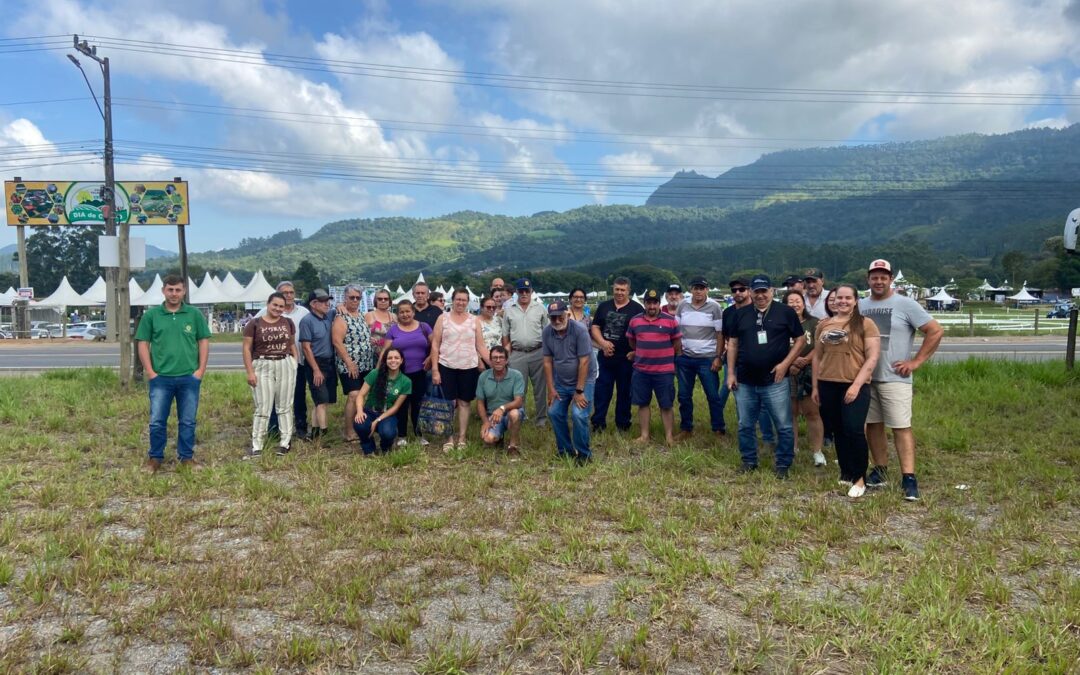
(761, 346)
(615, 367)
(425, 312)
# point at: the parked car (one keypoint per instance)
(77, 332)
(1061, 311)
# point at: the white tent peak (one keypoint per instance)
(63, 296)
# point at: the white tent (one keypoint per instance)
(95, 295)
(399, 292)
(474, 300)
(63, 296)
(210, 293)
(420, 279)
(152, 295)
(134, 290)
(1023, 296)
(257, 291)
(231, 286)
(942, 298)
(8, 296)
(899, 276)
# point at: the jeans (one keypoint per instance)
(299, 406)
(768, 434)
(410, 409)
(386, 429)
(687, 368)
(775, 399)
(185, 390)
(614, 372)
(847, 421)
(557, 413)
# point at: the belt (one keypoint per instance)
(269, 358)
(526, 350)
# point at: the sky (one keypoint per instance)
(292, 114)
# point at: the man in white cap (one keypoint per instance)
(897, 318)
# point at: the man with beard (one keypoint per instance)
(656, 341)
(615, 369)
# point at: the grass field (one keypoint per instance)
(643, 561)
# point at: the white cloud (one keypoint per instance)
(630, 164)
(394, 202)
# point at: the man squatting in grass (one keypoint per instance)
(655, 342)
(500, 401)
(570, 381)
(766, 337)
(270, 361)
(174, 345)
(316, 330)
(897, 318)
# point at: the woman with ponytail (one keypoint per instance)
(383, 393)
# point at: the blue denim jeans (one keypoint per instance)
(614, 375)
(163, 390)
(687, 368)
(387, 431)
(557, 413)
(775, 400)
(768, 434)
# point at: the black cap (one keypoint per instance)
(674, 287)
(792, 280)
(813, 273)
(760, 281)
(699, 281)
(651, 295)
(739, 281)
(318, 294)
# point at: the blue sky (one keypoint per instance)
(350, 123)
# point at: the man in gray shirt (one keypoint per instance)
(567, 358)
(897, 318)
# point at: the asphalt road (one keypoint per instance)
(32, 356)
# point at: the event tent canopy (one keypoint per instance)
(942, 297)
(63, 296)
(258, 290)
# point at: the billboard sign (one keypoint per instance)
(48, 203)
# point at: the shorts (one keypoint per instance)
(643, 385)
(498, 430)
(459, 385)
(350, 384)
(327, 391)
(890, 402)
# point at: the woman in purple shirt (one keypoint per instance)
(413, 339)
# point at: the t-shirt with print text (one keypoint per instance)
(270, 340)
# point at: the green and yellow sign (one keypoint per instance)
(47, 203)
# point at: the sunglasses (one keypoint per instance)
(739, 290)
(491, 307)
(382, 299)
(352, 297)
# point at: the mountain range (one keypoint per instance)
(972, 195)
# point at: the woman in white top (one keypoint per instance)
(458, 354)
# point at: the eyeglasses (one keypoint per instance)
(352, 297)
(382, 299)
(739, 290)
(491, 307)
(578, 297)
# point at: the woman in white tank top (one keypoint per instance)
(457, 356)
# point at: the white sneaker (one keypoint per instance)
(819, 459)
(856, 491)
(424, 441)
(401, 442)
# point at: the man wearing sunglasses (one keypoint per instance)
(765, 338)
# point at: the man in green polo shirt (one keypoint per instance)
(500, 402)
(174, 345)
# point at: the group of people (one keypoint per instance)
(842, 362)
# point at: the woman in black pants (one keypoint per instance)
(846, 349)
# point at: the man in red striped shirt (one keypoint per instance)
(656, 340)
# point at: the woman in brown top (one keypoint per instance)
(270, 361)
(846, 349)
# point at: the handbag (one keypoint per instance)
(436, 413)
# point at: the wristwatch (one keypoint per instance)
(579, 391)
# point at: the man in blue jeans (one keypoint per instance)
(701, 322)
(761, 347)
(567, 369)
(174, 345)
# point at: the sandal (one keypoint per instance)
(448, 446)
(462, 444)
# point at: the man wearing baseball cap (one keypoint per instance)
(766, 337)
(701, 322)
(674, 296)
(522, 330)
(815, 296)
(897, 318)
(315, 340)
(655, 341)
(567, 350)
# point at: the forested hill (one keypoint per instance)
(1023, 162)
(971, 195)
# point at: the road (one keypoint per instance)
(33, 356)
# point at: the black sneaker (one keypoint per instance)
(781, 473)
(253, 454)
(583, 460)
(747, 468)
(910, 486)
(282, 450)
(878, 478)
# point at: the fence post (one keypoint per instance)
(971, 323)
(1070, 342)
(1036, 322)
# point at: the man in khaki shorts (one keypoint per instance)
(897, 318)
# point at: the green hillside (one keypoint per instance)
(972, 195)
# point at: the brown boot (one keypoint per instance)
(683, 435)
(151, 466)
(190, 464)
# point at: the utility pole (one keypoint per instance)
(119, 298)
